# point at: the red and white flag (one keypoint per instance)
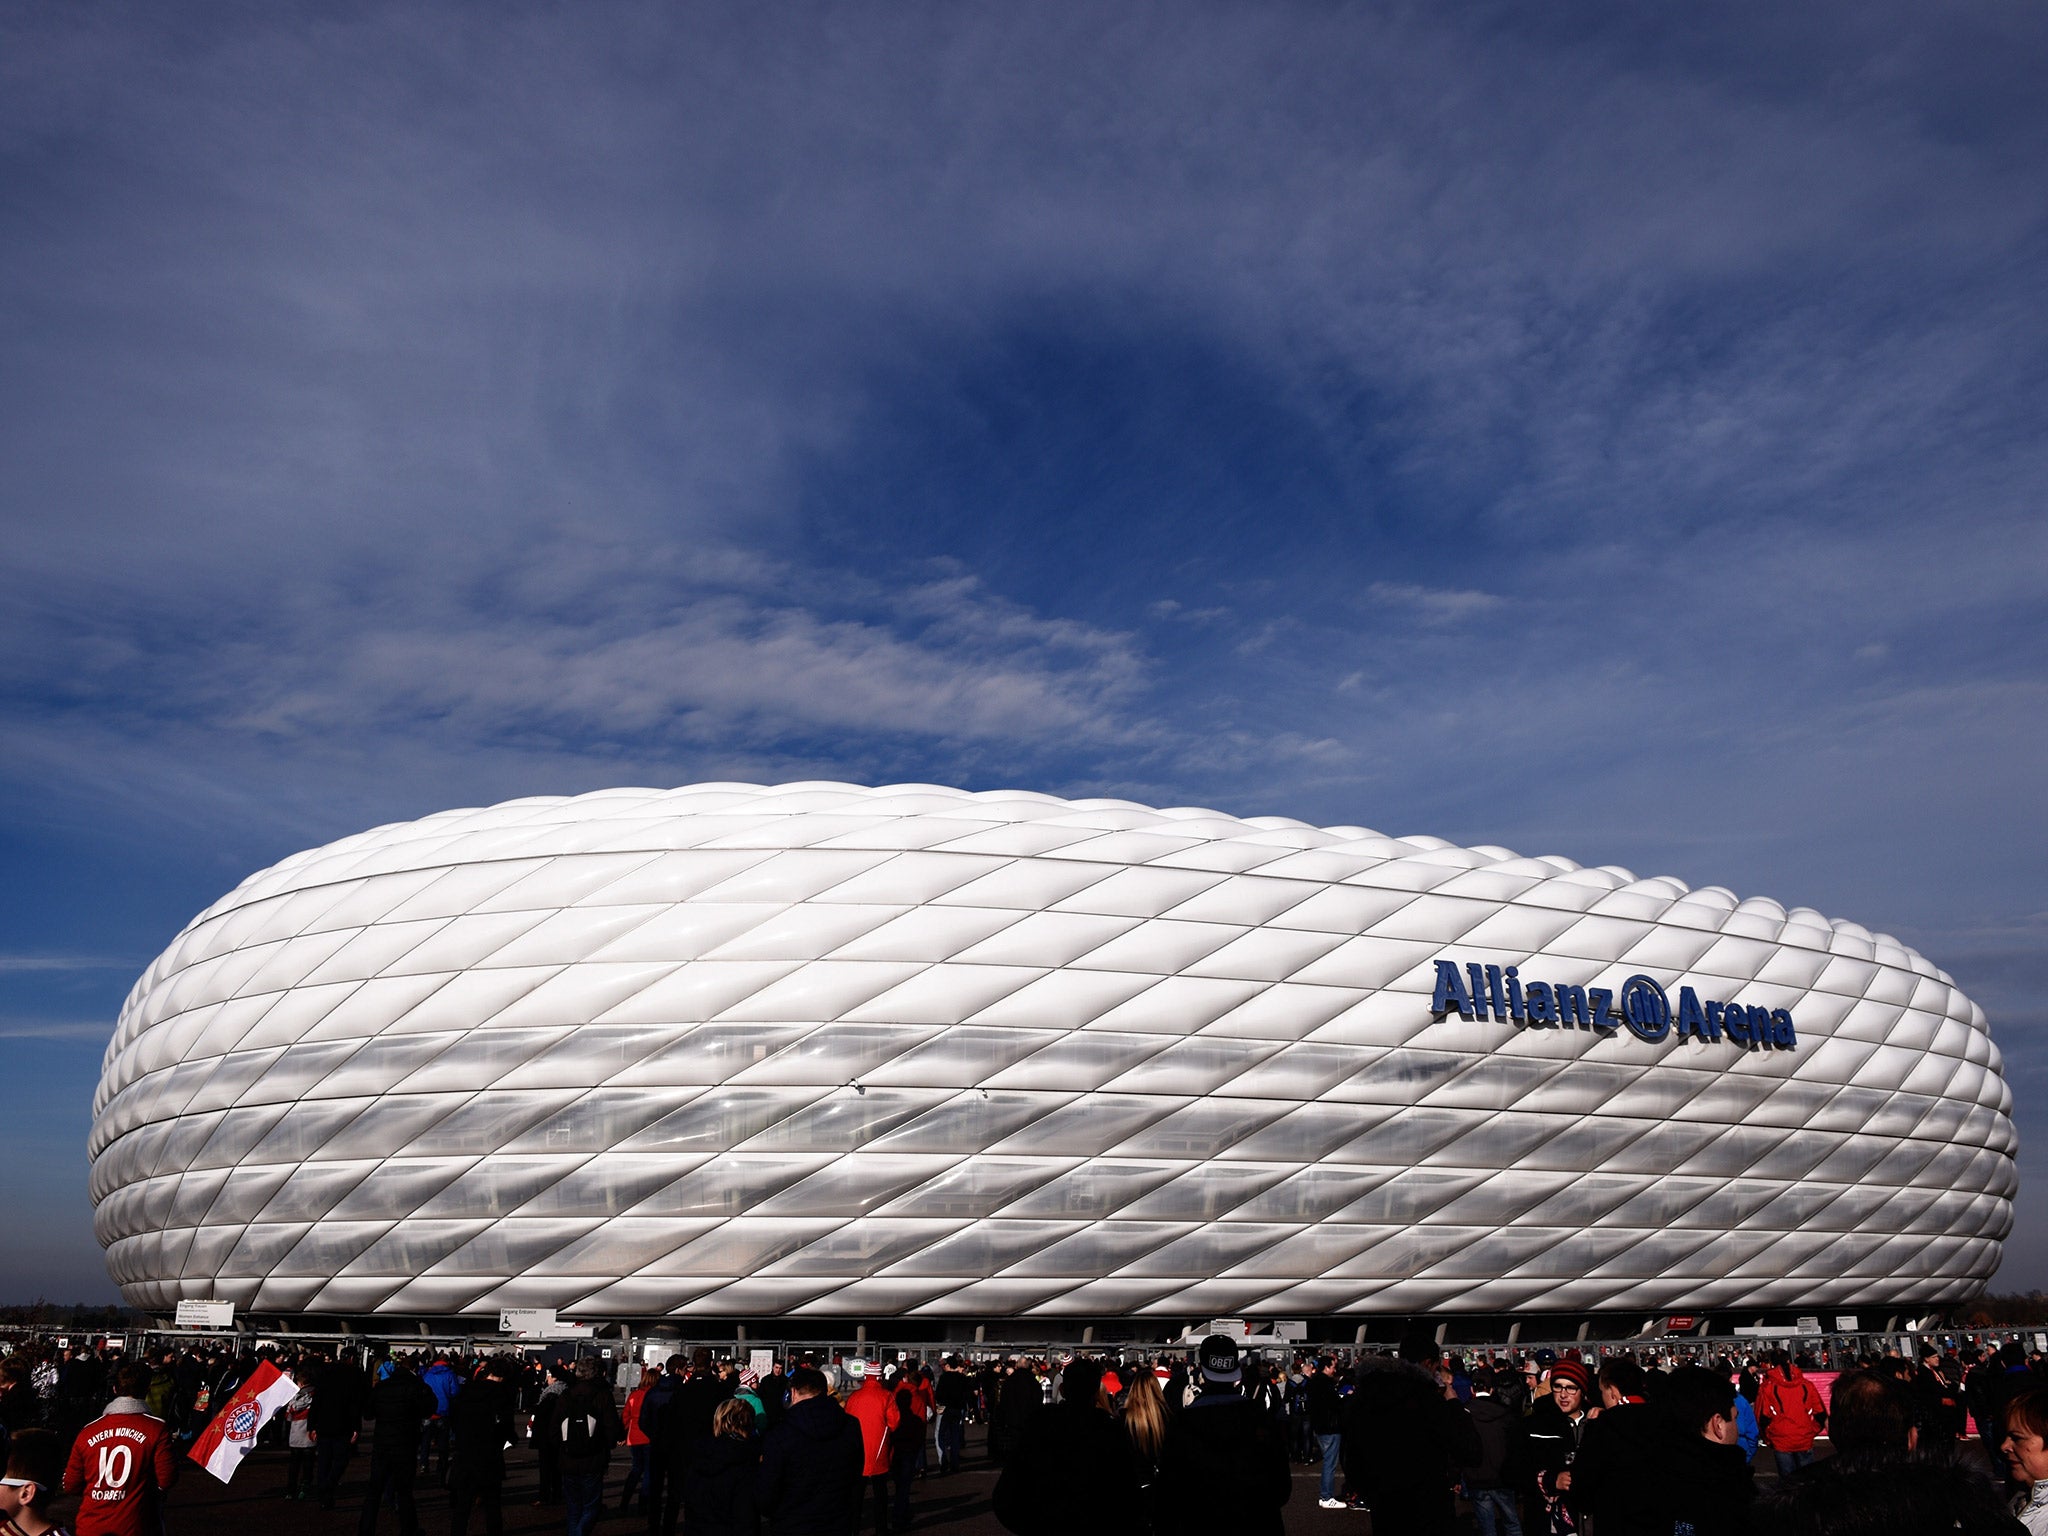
(232, 1434)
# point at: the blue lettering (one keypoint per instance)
(1691, 1021)
(1514, 997)
(1478, 975)
(1781, 1029)
(1571, 1006)
(1493, 990)
(1737, 1021)
(1604, 1016)
(1542, 1005)
(1450, 994)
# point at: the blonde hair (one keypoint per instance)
(734, 1419)
(1145, 1414)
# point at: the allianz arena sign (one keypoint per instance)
(817, 1050)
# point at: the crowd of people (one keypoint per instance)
(1528, 1444)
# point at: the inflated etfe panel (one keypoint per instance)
(742, 1051)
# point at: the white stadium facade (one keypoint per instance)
(818, 1051)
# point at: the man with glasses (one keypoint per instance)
(1555, 1427)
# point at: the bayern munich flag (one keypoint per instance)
(232, 1434)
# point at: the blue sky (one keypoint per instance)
(1605, 431)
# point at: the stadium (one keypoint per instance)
(818, 1051)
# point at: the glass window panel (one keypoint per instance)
(1504, 1197)
(298, 1073)
(1206, 1192)
(1668, 1144)
(1098, 1249)
(243, 1194)
(497, 1186)
(715, 1119)
(326, 1250)
(710, 1053)
(835, 1053)
(1495, 1252)
(971, 1121)
(729, 1185)
(1793, 1103)
(390, 1124)
(740, 1247)
(305, 1129)
(1663, 1202)
(378, 1065)
(1581, 1088)
(1095, 1189)
(258, 1249)
(1731, 1204)
(854, 1185)
(1495, 1082)
(475, 1060)
(961, 1057)
(413, 1247)
(1194, 1066)
(234, 1078)
(512, 1247)
(395, 1189)
(1734, 1150)
(1408, 1197)
(1658, 1095)
(1588, 1143)
(981, 1186)
(1654, 1255)
(488, 1121)
(1401, 1077)
(1586, 1199)
(195, 1195)
(590, 1054)
(1796, 1156)
(314, 1190)
(209, 1251)
(1299, 1072)
(1498, 1141)
(1312, 1194)
(1209, 1250)
(844, 1120)
(604, 1186)
(236, 1135)
(987, 1246)
(1406, 1254)
(621, 1247)
(1083, 1059)
(863, 1247)
(1313, 1131)
(1203, 1129)
(1089, 1126)
(1406, 1138)
(601, 1120)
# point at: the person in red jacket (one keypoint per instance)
(121, 1464)
(637, 1441)
(1792, 1412)
(870, 1404)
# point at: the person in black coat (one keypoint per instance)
(719, 1479)
(809, 1483)
(335, 1421)
(400, 1406)
(1071, 1470)
(1405, 1437)
(480, 1426)
(1619, 1478)
(1224, 1466)
(682, 1427)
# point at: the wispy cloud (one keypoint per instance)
(1436, 604)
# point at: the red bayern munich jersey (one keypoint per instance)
(120, 1464)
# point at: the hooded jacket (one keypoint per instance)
(1223, 1468)
(871, 1405)
(1071, 1473)
(719, 1490)
(1402, 1437)
(810, 1478)
(1790, 1409)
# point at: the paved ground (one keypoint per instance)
(253, 1505)
(959, 1506)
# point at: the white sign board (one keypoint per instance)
(527, 1320)
(762, 1363)
(1845, 1323)
(206, 1314)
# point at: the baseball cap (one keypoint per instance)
(1219, 1358)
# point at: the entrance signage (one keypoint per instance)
(1642, 1007)
(206, 1314)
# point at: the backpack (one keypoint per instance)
(579, 1434)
